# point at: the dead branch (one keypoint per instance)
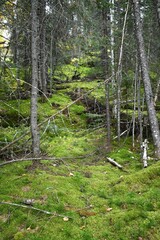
(36, 209)
(13, 142)
(121, 134)
(55, 114)
(114, 163)
(45, 158)
(26, 159)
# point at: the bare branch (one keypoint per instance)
(121, 134)
(45, 158)
(24, 160)
(36, 209)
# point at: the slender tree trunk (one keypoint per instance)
(134, 107)
(146, 79)
(119, 76)
(112, 42)
(51, 63)
(156, 4)
(139, 111)
(34, 90)
(157, 91)
(42, 46)
(105, 69)
(108, 121)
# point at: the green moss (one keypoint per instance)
(101, 201)
(54, 189)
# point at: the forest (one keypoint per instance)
(79, 119)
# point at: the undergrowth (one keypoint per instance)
(100, 201)
(88, 198)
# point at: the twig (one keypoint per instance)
(36, 209)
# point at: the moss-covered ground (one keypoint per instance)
(90, 199)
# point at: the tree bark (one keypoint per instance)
(145, 157)
(34, 89)
(140, 116)
(42, 46)
(146, 79)
(119, 76)
(156, 4)
(112, 41)
(105, 63)
(134, 107)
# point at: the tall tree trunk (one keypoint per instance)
(146, 79)
(34, 90)
(112, 40)
(51, 63)
(140, 116)
(42, 46)
(157, 91)
(105, 69)
(134, 107)
(156, 4)
(119, 76)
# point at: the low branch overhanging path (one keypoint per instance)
(55, 114)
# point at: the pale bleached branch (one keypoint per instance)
(114, 163)
(36, 209)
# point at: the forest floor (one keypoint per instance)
(75, 193)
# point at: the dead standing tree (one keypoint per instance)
(146, 79)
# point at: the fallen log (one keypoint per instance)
(114, 163)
